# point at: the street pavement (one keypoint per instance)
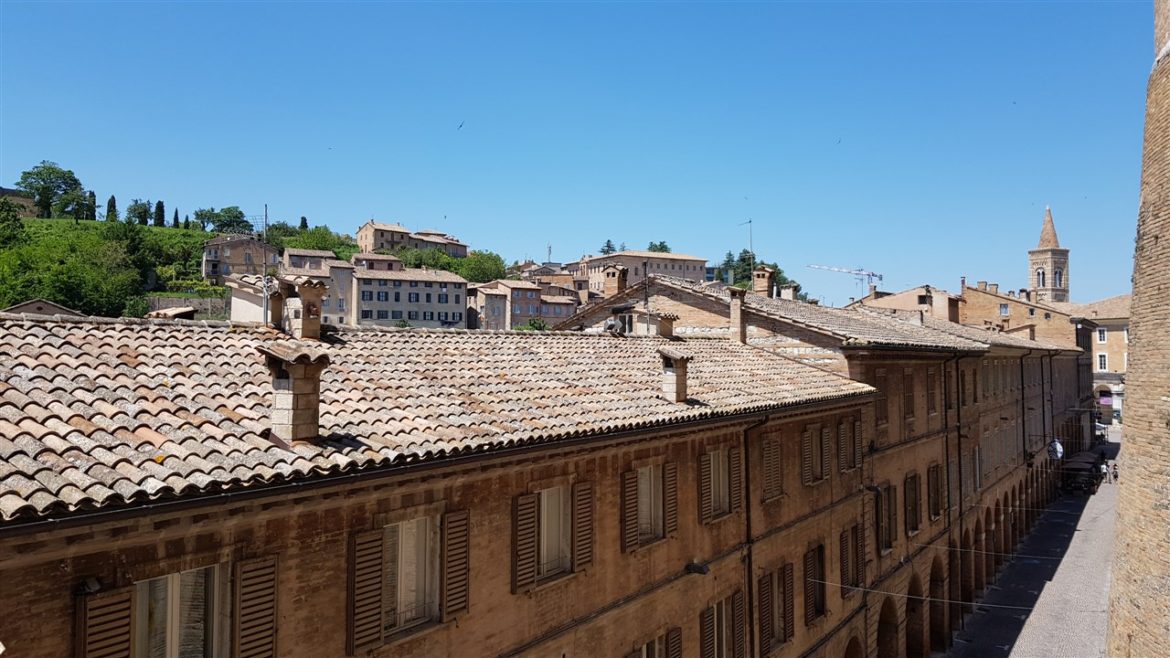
(1052, 599)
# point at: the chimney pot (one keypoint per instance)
(962, 284)
(762, 279)
(674, 374)
(738, 317)
(982, 285)
(788, 291)
(993, 287)
(296, 391)
(302, 314)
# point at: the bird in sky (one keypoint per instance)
(460, 125)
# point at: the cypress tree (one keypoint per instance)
(186, 221)
(91, 206)
(304, 223)
(112, 209)
(175, 219)
(160, 214)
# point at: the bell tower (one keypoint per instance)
(1048, 263)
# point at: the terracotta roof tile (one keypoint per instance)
(164, 409)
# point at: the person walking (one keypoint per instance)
(1116, 475)
(1105, 473)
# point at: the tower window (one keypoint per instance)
(1058, 279)
(1040, 279)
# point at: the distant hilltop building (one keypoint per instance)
(236, 254)
(639, 264)
(378, 236)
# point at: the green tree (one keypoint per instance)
(160, 213)
(91, 206)
(47, 183)
(175, 219)
(320, 237)
(112, 209)
(608, 248)
(186, 222)
(304, 223)
(480, 267)
(622, 247)
(138, 212)
(278, 232)
(659, 247)
(12, 231)
(206, 216)
(533, 324)
(74, 204)
(232, 220)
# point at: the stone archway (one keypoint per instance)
(955, 586)
(887, 635)
(989, 532)
(853, 649)
(915, 620)
(938, 607)
(978, 572)
(999, 538)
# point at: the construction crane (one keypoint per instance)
(863, 276)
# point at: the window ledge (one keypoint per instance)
(776, 498)
(414, 632)
(548, 582)
(649, 543)
(886, 551)
(721, 518)
(911, 533)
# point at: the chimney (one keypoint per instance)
(814, 302)
(302, 314)
(296, 387)
(665, 324)
(762, 278)
(738, 317)
(616, 277)
(1024, 294)
(674, 374)
(872, 289)
(962, 284)
(993, 287)
(982, 285)
(788, 291)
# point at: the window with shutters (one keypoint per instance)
(814, 446)
(776, 608)
(666, 645)
(650, 508)
(913, 505)
(177, 615)
(931, 391)
(410, 565)
(852, 560)
(934, 491)
(908, 393)
(719, 632)
(555, 532)
(883, 507)
(720, 483)
(848, 445)
(773, 473)
(881, 403)
(814, 584)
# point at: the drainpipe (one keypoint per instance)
(1024, 409)
(749, 539)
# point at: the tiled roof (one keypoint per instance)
(364, 255)
(637, 253)
(310, 253)
(101, 413)
(40, 306)
(380, 226)
(1110, 307)
(853, 327)
(410, 274)
(978, 334)
(253, 282)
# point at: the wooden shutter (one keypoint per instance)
(826, 451)
(906, 505)
(810, 598)
(892, 510)
(806, 462)
(456, 562)
(629, 511)
(738, 625)
(366, 557)
(735, 477)
(789, 602)
(859, 554)
(390, 568)
(674, 643)
(857, 443)
(582, 525)
(846, 562)
(105, 624)
(843, 447)
(771, 449)
(767, 632)
(525, 513)
(670, 498)
(707, 633)
(705, 503)
(254, 625)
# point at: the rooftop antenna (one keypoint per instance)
(264, 263)
(548, 259)
(751, 249)
(862, 275)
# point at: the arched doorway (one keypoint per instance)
(887, 635)
(988, 549)
(915, 620)
(853, 649)
(955, 584)
(978, 549)
(999, 538)
(938, 607)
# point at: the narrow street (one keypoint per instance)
(1052, 598)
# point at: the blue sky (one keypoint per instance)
(921, 140)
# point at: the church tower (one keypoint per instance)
(1049, 265)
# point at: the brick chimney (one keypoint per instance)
(674, 374)
(982, 285)
(296, 387)
(993, 287)
(302, 313)
(789, 291)
(762, 279)
(738, 317)
(664, 322)
(616, 277)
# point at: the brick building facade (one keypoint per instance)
(1140, 593)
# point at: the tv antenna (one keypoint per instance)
(862, 275)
